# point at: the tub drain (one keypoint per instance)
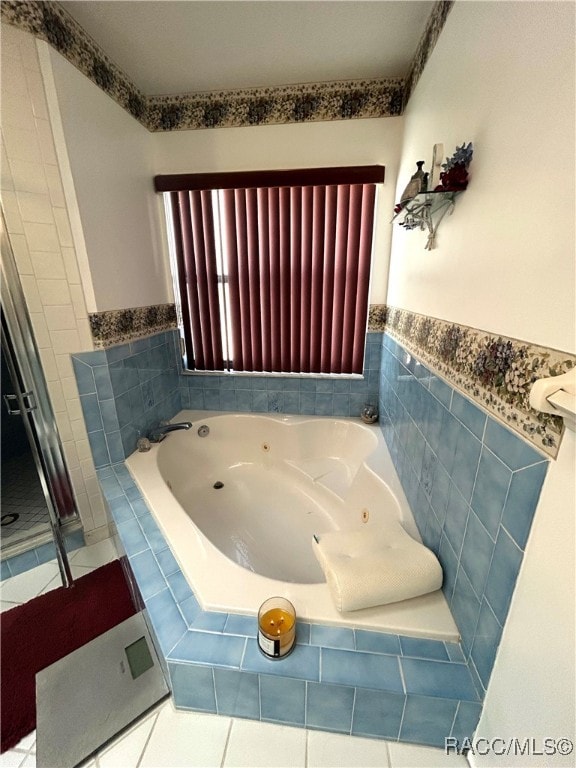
(218, 484)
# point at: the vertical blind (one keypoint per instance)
(273, 272)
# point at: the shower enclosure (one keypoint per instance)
(37, 500)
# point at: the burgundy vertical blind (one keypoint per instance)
(194, 241)
(297, 263)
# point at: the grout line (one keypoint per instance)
(454, 718)
(529, 466)
(402, 676)
(145, 747)
(352, 713)
(215, 692)
(225, 752)
(401, 723)
(242, 660)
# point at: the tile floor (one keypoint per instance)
(167, 738)
(24, 511)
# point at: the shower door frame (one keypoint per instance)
(33, 402)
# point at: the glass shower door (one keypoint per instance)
(33, 468)
(25, 518)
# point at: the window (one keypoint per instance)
(273, 267)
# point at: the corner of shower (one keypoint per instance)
(39, 520)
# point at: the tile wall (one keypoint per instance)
(125, 390)
(287, 394)
(37, 221)
(473, 487)
(128, 388)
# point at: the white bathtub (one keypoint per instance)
(284, 478)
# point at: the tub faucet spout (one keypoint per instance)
(157, 434)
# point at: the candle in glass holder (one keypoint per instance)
(276, 627)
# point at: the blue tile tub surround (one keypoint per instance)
(473, 487)
(303, 395)
(344, 680)
(125, 390)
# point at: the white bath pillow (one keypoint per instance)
(375, 566)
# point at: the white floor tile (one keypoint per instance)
(55, 583)
(25, 586)
(94, 555)
(413, 756)
(186, 740)
(263, 745)
(335, 750)
(12, 759)
(77, 572)
(5, 606)
(30, 761)
(125, 752)
(28, 743)
(81, 570)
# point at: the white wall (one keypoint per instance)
(502, 76)
(113, 160)
(38, 227)
(110, 156)
(346, 142)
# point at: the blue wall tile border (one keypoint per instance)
(302, 395)
(214, 663)
(127, 389)
(473, 487)
(494, 371)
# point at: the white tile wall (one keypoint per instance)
(39, 230)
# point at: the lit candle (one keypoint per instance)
(276, 627)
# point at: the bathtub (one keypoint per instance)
(239, 497)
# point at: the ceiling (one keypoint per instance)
(188, 46)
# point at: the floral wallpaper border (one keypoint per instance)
(493, 370)
(377, 317)
(308, 102)
(434, 26)
(50, 22)
(118, 326)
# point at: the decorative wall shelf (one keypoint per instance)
(425, 211)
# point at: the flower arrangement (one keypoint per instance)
(454, 178)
